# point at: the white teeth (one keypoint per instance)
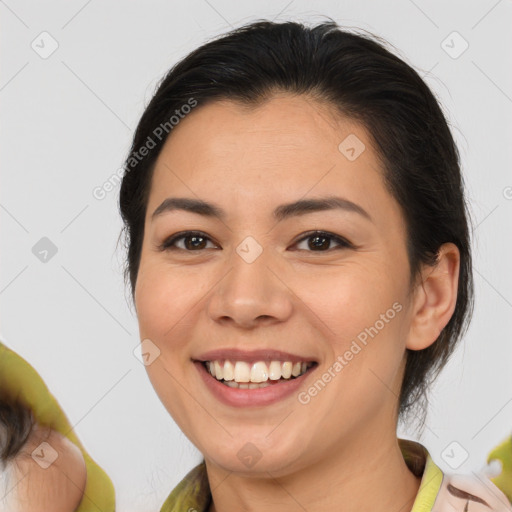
(242, 371)
(286, 370)
(258, 373)
(219, 370)
(229, 371)
(274, 370)
(251, 385)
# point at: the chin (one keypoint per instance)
(250, 457)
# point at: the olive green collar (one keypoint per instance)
(193, 492)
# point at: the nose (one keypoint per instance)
(250, 294)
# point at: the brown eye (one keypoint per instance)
(192, 241)
(320, 241)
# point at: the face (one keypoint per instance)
(262, 288)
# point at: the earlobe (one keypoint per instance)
(435, 298)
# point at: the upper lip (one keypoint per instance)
(252, 356)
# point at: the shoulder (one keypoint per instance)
(50, 471)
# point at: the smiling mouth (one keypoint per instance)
(243, 375)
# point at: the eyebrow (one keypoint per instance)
(284, 211)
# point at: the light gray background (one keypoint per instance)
(67, 122)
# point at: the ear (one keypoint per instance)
(435, 297)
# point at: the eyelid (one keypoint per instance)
(342, 242)
(167, 243)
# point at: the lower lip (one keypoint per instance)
(251, 397)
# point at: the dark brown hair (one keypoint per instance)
(16, 424)
(361, 80)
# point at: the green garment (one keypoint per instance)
(19, 380)
(437, 491)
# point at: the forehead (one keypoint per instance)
(289, 146)
(283, 125)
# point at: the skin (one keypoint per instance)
(56, 488)
(293, 297)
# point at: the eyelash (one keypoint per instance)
(168, 244)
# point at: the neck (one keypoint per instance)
(367, 474)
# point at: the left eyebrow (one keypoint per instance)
(284, 211)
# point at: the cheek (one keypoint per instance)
(164, 297)
(353, 298)
(364, 309)
(367, 324)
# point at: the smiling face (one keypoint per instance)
(257, 285)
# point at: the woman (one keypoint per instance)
(299, 260)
